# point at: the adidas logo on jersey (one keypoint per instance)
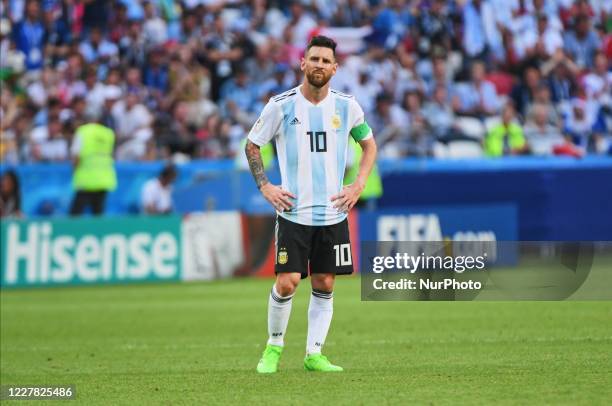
(295, 121)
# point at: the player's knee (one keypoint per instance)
(324, 283)
(286, 284)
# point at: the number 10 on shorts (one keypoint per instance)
(343, 254)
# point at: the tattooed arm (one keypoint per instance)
(277, 197)
(256, 164)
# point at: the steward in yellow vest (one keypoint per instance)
(94, 169)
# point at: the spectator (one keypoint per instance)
(542, 97)
(524, 93)
(178, 136)
(506, 138)
(10, 195)
(94, 171)
(366, 89)
(561, 73)
(54, 147)
(134, 126)
(261, 67)
(301, 25)
(433, 28)
(480, 33)
(98, 49)
(389, 24)
(420, 140)
(478, 97)
(238, 93)
(389, 123)
(156, 195)
(112, 94)
(542, 137)
(155, 30)
(580, 117)
(351, 14)
(439, 114)
(542, 40)
(57, 34)
(598, 83)
(28, 36)
(156, 74)
(132, 46)
(221, 51)
(441, 75)
(582, 42)
(119, 23)
(95, 93)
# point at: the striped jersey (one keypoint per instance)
(312, 144)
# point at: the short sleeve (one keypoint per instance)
(147, 196)
(266, 125)
(360, 130)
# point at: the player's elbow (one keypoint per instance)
(369, 146)
(250, 147)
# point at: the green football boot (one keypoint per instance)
(320, 363)
(268, 364)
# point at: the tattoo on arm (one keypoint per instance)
(256, 164)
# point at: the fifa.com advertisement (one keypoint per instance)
(471, 253)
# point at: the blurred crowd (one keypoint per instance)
(186, 79)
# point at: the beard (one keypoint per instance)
(318, 81)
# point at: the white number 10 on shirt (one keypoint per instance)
(343, 254)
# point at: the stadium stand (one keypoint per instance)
(186, 79)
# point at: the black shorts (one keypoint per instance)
(320, 249)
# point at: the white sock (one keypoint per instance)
(320, 313)
(279, 310)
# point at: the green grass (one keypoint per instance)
(199, 344)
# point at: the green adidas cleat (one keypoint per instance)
(320, 363)
(268, 364)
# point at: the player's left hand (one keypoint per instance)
(346, 199)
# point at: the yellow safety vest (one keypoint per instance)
(95, 170)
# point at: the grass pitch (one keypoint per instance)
(199, 344)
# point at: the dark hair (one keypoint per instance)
(322, 41)
(16, 193)
(168, 172)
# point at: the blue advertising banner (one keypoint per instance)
(495, 222)
(470, 227)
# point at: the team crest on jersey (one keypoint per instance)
(336, 122)
(282, 256)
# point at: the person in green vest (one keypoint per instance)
(94, 168)
(373, 189)
(507, 137)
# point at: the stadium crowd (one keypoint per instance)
(187, 78)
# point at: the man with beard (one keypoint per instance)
(311, 125)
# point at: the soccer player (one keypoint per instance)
(311, 125)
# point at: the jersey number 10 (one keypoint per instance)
(318, 141)
(343, 254)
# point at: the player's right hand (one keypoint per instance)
(277, 196)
